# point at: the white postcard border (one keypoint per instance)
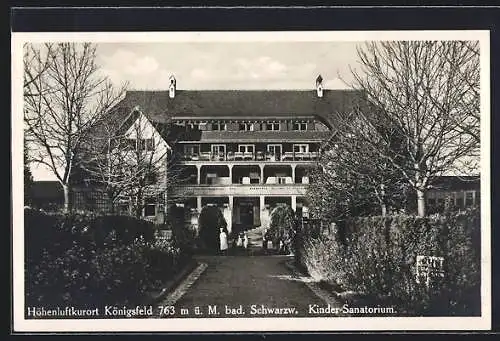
(21, 324)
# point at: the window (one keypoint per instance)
(274, 149)
(469, 198)
(300, 148)
(431, 201)
(273, 126)
(140, 144)
(150, 208)
(218, 149)
(130, 144)
(219, 126)
(192, 126)
(246, 127)
(246, 148)
(281, 179)
(147, 144)
(192, 149)
(299, 126)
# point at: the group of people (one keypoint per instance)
(241, 241)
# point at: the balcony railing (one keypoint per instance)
(248, 156)
(240, 190)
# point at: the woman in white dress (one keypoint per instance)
(223, 242)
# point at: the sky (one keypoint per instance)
(224, 65)
(228, 65)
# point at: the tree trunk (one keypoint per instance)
(67, 204)
(420, 203)
(382, 200)
(138, 205)
(384, 209)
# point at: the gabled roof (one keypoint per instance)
(47, 190)
(449, 182)
(159, 107)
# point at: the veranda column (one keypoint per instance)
(230, 177)
(293, 173)
(294, 203)
(261, 174)
(229, 217)
(198, 174)
(264, 213)
(198, 204)
(195, 216)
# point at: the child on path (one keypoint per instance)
(245, 240)
(239, 242)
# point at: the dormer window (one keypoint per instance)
(273, 126)
(219, 126)
(246, 127)
(300, 126)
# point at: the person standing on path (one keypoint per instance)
(223, 242)
(245, 240)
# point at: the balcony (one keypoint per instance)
(248, 156)
(240, 190)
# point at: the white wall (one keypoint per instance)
(142, 128)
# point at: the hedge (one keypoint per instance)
(282, 226)
(211, 220)
(87, 260)
(376, 257)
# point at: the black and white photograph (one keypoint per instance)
(251, 181)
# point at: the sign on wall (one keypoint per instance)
(429, 268)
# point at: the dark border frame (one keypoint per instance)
(93, 19)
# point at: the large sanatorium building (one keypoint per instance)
(244, 151)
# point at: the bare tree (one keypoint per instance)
(418, 89)
(352, 180)
(64, 97)
(133, 162)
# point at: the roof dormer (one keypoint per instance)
(172, 86)
(319, 86)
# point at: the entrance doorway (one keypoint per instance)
(246, 214)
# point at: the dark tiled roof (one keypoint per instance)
(159, 107)
(47, 190)
(263, 136)
(456, 183)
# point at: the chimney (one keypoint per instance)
(171, 88)
(319, 86)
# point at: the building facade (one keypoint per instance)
(245, 151)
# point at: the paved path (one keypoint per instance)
(248, 284)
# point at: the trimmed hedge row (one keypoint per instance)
(376, 256)
(86, 260)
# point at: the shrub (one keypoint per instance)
(86, 260)
(183, 236)
(211, 220)
(283, 226)
(377, 257)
